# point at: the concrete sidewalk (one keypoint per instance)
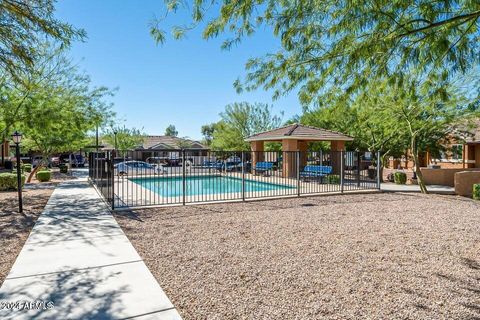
(78, 257)
(392, 187)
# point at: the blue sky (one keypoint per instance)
(186, 83)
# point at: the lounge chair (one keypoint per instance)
(263, 167)
(208, 164)
(311, 171)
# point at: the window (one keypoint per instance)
(457, 152)
(454, 153)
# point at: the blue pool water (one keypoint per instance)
(197, 185)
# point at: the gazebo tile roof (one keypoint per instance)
(300, 132)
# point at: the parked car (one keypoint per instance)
(157, 160)
(36, 160)
(55, 161)
(75, 160)
(137, 168)
(120, 159)
(64, 158)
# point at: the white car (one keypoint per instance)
(138, 168)
(39, 160)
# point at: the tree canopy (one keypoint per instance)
(123, 138)
(239, 121)
(24, 27)
(53, 105)
(325, 43)
(171, 131)
(395, 116)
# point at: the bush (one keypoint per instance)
(476, 191)
(63, 168)
(390, 177)
(43, 175)
(27, 167)
(8, 181)
(400, 177)
(333, 179)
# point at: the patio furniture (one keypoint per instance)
(263, 167)
(228, 166)
(209, 164)
(314, 171)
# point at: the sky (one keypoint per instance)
(186, 82)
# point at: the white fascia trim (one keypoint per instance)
(298, 138)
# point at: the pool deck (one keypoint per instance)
(131, 194)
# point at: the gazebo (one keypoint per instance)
(295, 137)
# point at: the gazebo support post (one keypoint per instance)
(257, 152)
(336, 155)
(289, 148)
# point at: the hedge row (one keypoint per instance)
(476, 191)
(8, 181)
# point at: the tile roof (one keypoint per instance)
(169, 142)
(299, 132)
(475, 134)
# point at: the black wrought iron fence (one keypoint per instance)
(101, 173)
(167, 177)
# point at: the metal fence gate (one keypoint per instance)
(138, 178)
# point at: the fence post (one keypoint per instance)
(298, 173)
(183, 177)
(342, 169)
(359, 162)
(243, 175)
(379, 165)
(112, 172)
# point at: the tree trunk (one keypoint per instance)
(5, 146)
(418, 172)
(383, 162)
(32, 174)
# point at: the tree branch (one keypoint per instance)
(467, 16)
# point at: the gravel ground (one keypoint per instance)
(374, 256)
(15, 227)
(57, 177)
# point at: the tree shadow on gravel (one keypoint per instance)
(12, 223)
(470, 283)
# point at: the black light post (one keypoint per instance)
(96, 138)
(17, 138)
(115, 135)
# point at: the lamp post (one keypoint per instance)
(115, 135)
(17, 138)
(96, 137)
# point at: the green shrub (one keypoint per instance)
(63, 168)
(476, 191)
(43, 175)
(333, 179)
(8, 181)
(400, 177)
(27, 167)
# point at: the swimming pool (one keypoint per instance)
(200, 185)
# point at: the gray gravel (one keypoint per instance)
(15, 227)
(374, 256)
